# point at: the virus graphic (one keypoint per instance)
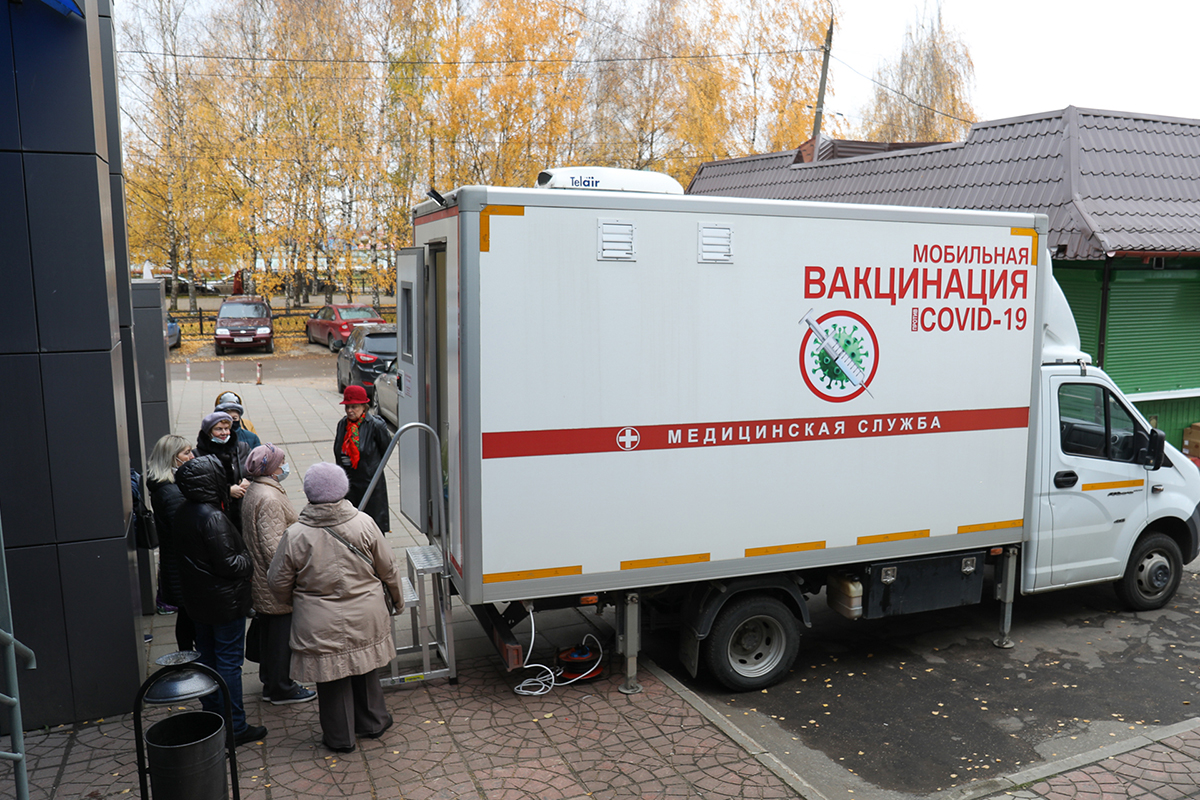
(839, 355)
(852, 344)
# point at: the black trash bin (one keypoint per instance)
(186, 757)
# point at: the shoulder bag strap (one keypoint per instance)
(370, 561)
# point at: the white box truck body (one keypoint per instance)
(764, 398)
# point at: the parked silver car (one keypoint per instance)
(387, 394)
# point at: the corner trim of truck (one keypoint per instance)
(1193, 525)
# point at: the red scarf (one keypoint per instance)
(350, 443)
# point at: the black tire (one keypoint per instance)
(332, 349)
(341, 386)
(753, 643)
(308, 333)
(1153, 573)
(220, 350)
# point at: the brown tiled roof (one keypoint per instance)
(1109, 181)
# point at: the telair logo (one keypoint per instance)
(585, 183)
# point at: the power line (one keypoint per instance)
(472, 62)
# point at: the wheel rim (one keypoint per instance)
(1154, 575)
(756, 647)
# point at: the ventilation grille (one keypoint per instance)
(615, 240)
(715, 244)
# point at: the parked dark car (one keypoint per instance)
(173, 337)
(183, 287)
(333, 324)
(366, 355)
(244, 321)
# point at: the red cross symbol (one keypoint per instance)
(628, 438)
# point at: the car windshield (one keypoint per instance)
(244, 311)
(359, 313)
(382, 344)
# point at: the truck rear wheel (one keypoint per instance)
(1153, 573)
(753, 643)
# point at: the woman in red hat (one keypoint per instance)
(358, 447)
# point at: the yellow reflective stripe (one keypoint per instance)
(1033, 252)
(784, 548)
(531, 574)
(1097, 487)
(485, 222)
(991, 526)
(643, 563)
(894, 537)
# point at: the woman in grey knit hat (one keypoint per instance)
(333, 566)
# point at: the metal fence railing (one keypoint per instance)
(288, 324)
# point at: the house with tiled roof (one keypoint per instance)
(1122, 193)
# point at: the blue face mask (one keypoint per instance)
(285, 470)
(219, 441)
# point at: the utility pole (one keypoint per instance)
(821, 90)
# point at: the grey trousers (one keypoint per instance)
(351, 706)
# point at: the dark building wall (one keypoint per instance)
(65, 503)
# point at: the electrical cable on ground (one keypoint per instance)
(547, 679)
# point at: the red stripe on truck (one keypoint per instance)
(571, 441)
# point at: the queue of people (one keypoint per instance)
(232, 547)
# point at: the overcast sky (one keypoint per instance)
(1038, 55)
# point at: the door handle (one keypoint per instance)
(1065, 479)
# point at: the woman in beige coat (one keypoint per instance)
(341, 632)
(266, 515)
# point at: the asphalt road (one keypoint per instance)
(911, 705)
(302, 365)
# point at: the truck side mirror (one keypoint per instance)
(1150, 449)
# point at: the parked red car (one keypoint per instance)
(244, 321)
(333, 324)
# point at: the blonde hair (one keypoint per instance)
(161, 464)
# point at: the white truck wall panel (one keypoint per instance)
(682, 362)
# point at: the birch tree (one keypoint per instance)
(924, 95)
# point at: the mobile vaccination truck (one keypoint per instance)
(725, 406)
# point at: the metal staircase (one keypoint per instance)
(427, 602)
(11, 649)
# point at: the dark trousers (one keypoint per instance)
(274, 655)
(351, 706)
(223, 647)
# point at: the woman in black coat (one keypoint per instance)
(170, 453)
(215, 571)
(217, 439)
(358, 448)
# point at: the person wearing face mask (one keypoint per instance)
(266, 515)
(234, 397)
(169, 453)
(217, 439)
(358, 448)
(240, 431)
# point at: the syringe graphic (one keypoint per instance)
(852, 371)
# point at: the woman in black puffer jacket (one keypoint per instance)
(170, 453)
(217, 439)
(215, 571)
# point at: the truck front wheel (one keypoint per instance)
(753, 643)
(1153, 573)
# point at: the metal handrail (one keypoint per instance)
(10, 696)
(437, 448)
